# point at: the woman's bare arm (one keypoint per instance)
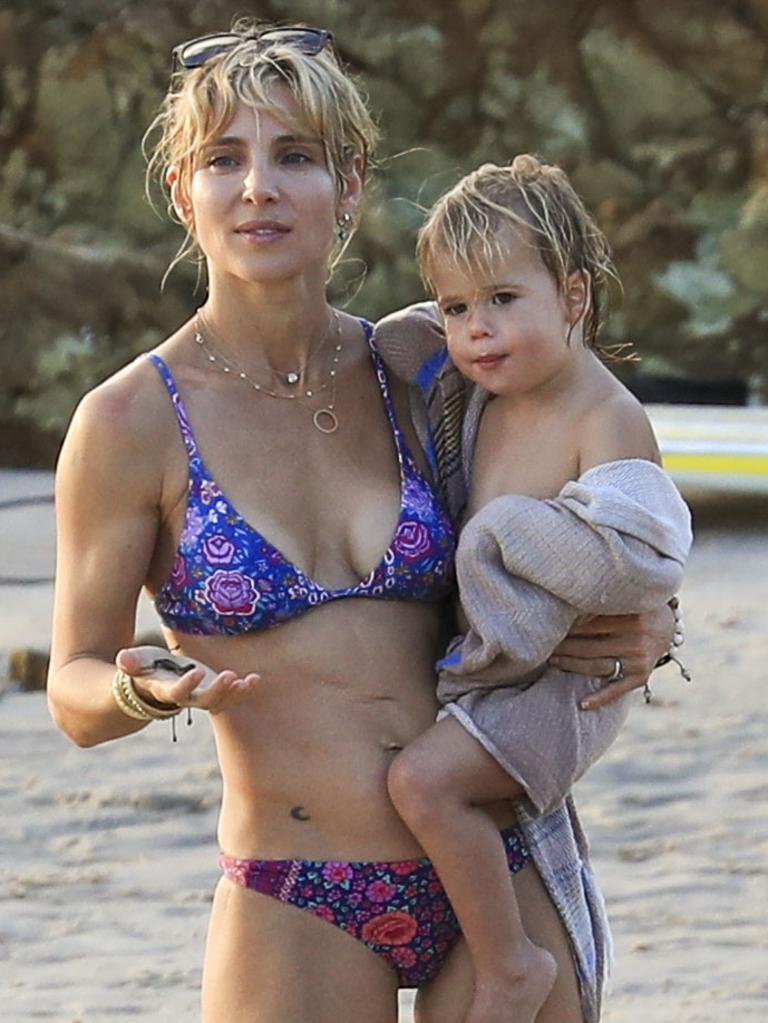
(109, 501)
(108, 490)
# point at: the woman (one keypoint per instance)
(225, 472)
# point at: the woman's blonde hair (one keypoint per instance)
(467, 227)
(202, 101)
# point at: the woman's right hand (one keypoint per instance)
(199, 686)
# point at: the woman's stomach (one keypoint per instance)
(304, 762)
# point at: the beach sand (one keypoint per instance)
(108, 857)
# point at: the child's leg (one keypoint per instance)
(438, 784)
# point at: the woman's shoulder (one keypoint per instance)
(127, 403)
(127, 418)
(123, 446)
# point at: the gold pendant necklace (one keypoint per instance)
(293, 377)
(324, 419)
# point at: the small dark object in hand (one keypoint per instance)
(169, 665)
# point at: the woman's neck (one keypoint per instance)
(274, 326)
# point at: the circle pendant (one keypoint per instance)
(325, 420)
(292, 378)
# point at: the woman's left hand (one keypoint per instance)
(170, 679)
(594, 647)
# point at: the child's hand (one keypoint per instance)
(169, 679)
(592, 648)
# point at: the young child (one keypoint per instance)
(569, 516)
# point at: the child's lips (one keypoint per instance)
(489, 361)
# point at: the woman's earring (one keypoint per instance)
(342, 225)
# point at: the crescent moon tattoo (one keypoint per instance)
(298, 814)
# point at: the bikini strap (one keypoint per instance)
(178, 407)
(381, 376)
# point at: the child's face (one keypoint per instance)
(507, 331)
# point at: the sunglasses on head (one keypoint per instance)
(197, 52)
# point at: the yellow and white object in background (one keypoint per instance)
(713, 447)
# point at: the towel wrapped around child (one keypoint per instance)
(612, 542)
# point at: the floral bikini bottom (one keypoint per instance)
(399, 908)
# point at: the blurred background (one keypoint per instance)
(658, 109)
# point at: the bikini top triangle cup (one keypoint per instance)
(227, 578)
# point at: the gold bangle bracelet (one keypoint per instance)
(131, 704)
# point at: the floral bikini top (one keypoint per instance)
(227, 578)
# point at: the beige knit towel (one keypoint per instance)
(612, 542)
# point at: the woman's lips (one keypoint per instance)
(263, 230)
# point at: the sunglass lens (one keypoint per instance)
(198, 51)
(309, 40)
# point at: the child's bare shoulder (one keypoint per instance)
(615, 427)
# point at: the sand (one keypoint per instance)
(107, 856)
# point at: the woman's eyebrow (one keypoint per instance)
(289, 138)
(224, 140)
(297, 137)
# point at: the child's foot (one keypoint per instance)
(518, 993)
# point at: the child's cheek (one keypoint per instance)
(452, 344)
(457, 353)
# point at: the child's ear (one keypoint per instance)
(578, 296)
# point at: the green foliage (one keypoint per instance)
(658, 111)
(65, 370)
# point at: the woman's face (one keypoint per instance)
(262, 203)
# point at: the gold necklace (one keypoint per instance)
(293, 377)
(324, 419)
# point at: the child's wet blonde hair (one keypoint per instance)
(468, 228)
(202, 101)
